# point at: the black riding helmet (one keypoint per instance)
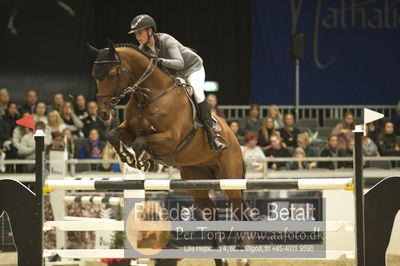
(142, 22)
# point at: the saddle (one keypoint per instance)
(189, 91)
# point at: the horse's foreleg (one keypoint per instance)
(117, 138)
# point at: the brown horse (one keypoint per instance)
(159, 124)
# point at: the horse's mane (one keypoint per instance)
(141, 51)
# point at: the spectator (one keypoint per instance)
(93, 148)
(276, 149)
(303, 141)
(26, 148)
(299, 165)
(91, 121)
(7, 127)
(30, 102)
(274, 113)
(56, 144)
(70, 119)
(331, 150)
(253, 121)
(110, 154)
(234, 125)
(387, 141)
(58, 100)
(347, 152)
(8, 123)
(344, 129)
(80, 106)
(69, 142)
(373, 132)
(289, 132)
(266, 131)
(253, 156)
(4, 100)
(213, 104)
(55, 122)
(396, 120)
(40, 113)
(18, 133)
(369, 146)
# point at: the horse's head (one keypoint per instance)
(111, 78)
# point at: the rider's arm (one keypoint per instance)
(175, 62)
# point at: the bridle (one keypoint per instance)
(135, 88)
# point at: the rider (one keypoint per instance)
(176, 57)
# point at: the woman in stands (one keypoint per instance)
(253, 122)
(4, 100)
(387, 141)
(299, 165)
(276, 149)
(253, 156)
(180, 60)
(70, 119)
(266, 131)
(344, 129)
(54, 122)
(303, 141)
(274, 113)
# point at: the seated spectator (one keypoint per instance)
(253, 156)
(234, 125)
(387, 141)
(70, 120)
(18, 133)
(289, 132)
(4, 100)
(69, 142)
(58, 100)
(213, 104)
(30, 102)
(26, 147)
(299, 165)
(80, 106)
(7, 127)
(396, 120)
(331, 150)
(40, 112)
(373, 131)
(110, 154)
(253, 121)
(266, 131)
(369, 147)
(93, 147)
(92, 121)
(57, 143)
(274, 113)
(303, 141)
(344, 129)
(347, 152)
(277, 150)
(54, 122)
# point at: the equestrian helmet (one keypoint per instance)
(142, 22)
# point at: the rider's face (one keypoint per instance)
(142, 36)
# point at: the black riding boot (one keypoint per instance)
(213, 141)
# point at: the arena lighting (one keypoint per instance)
(211, 86)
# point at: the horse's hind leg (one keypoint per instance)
(202, 199)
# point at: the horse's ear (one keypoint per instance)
(94, 51)
(111, 48)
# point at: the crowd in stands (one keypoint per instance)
(276, 135)
(74, 126)
(71, 125)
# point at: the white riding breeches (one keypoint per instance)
(196, 80)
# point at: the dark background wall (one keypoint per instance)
(49, 52)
